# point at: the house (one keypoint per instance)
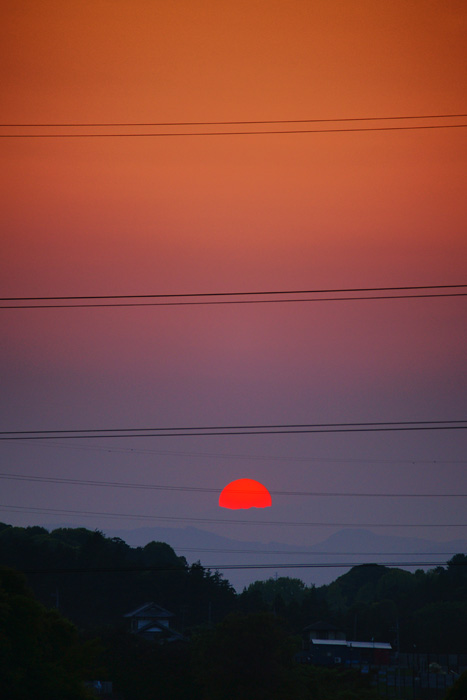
(153, 622)
(326, 645)
(331, 652)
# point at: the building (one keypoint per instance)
(326, 645)
(153, 622)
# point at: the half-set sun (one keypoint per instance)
(245, 493)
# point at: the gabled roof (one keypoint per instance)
(150, 610)
(153, 628)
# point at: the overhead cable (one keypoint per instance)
(220, 567)
(286, 552)
(199, 489)
(238, 293)
(240, 456)
(225, 430)
(233, 123)
(233, 133)
(221, 433)
(229, 522)
(224, 302)
(219, 298)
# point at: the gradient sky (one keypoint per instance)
(218, 214)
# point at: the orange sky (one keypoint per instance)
(201, 214)
(277, 210)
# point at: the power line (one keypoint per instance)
(231, 427)
(239, 456)
(235, 432)
(286, 552)
(230, 302)
(304, 553)
(200, 298)
(232, 123)
(179, 568)
(235, 133)
(229, 522)
(237, 293)
(211, 431)
(199, 489)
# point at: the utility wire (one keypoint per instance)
(183, 569)
(286, 552)
(232, 123)
(235, 133)
(211, 430)
(243, 457)
(308, 553)
(230, 302)
(236, 432)
(199, 489)
(200, 299)
(237, 293)
(229, 522)
(231, 427)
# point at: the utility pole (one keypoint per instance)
(398, 675)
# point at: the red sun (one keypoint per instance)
(245, 493)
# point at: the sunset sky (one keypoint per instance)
(197, 214)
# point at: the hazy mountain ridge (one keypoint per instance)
(347, 546)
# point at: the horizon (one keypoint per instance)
(238, 568)
(349, 406)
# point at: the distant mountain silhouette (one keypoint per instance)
(347, 546)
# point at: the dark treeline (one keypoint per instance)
(128, 577)
(78, 584)
(423, 611)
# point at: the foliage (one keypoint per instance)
(459, 689)
(439, 627)
(246, 657)
(147, 670)
(241, 646)
(41, 655)
(96, 580)
(372, 601)
(336, 684)
(360, 583)
(289, 589)
(287, 597)
(251, 657)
